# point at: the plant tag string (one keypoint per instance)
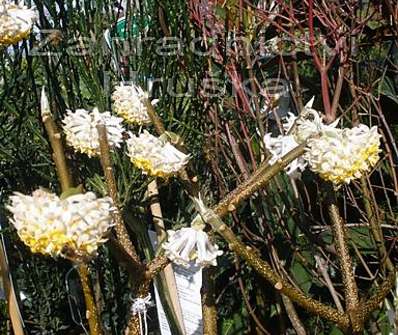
(140, 307)
(73, 302)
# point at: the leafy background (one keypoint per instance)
(285, 223)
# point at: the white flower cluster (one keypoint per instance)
(282, 144)
(129, 103)
(155, 156)
(343, 155)
(337, 155)
(16, 22)
(192, 243)
(279, 147)
(309, 123)
(188, 244)
(81, 132)
(48, 224)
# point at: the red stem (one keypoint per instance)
(321, 68)
(330, 115)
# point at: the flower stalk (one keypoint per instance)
(55, 139)
(92, 315)
(65, 181)
(256, 181)
(120, 228)
(340, 234)
(155, 119)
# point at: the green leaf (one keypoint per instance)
(302, 276)
(360, 236)
(336, 331)
(387, 88)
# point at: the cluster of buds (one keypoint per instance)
(16, 22)
(129, 102)
(155, 156)
(80, 128)
(53, 226)
(337, 155)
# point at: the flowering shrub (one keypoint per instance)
(192, 123)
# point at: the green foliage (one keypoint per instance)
(3, 317)
(286, 223)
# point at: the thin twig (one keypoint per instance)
(265, 270)
(375, 227)
(293, 317)
(324, 272)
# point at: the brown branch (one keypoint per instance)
(293, 317)
(323, 70)
(120, 228)
(337, 92)
(375, 227)
(383, 290)
(156, 266)
(133, 327)
(92, 314)
(65, 181)
(265, 270)
(256, 182)
(135, 269)
(13, 309)
(340, 235)
(55, 139)
(209, 309)
(156, 120)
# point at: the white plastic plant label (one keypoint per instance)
(188, 282)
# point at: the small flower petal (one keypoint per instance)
(343, 155)
(188, 244)
(47, 224)
(16, 22)
(155, 156)
(81, 132)
(280, 146)
(129, 103)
